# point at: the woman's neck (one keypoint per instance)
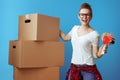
(85, 27)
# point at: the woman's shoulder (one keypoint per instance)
(95, 33)
(75, 27)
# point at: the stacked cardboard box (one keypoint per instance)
(37, 54)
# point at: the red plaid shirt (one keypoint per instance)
(74, 72)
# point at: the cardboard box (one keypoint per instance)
(38, 27)
(51, 73)
(27, 54)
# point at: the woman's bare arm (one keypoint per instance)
(64, 36)
(97, 52)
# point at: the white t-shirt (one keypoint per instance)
(82, 46)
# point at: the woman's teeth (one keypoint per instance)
(84, 20)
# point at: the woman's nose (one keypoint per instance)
(84, 17)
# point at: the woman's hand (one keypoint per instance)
(104, 48)
(107, 39)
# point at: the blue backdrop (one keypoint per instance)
(106, 15)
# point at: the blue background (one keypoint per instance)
(106, 18)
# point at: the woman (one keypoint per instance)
(85, 42)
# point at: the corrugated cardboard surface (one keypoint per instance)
(27, 54)
(40, 27)
(51, 73)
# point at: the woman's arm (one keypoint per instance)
(64, 36)
(97, 52)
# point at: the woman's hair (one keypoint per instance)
(86, 6)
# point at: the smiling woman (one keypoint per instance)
(84, 41)
(85, 16)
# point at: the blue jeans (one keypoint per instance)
(87, 76)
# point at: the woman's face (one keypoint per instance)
(85, 16)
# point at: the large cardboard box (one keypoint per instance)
(27, 54)
(50, 73)
(38, 27)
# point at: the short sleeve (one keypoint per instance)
(71, 31)
(95, 39)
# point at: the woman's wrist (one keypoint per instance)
(104, 48)
(100, 54)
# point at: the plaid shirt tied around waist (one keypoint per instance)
(74, 72)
